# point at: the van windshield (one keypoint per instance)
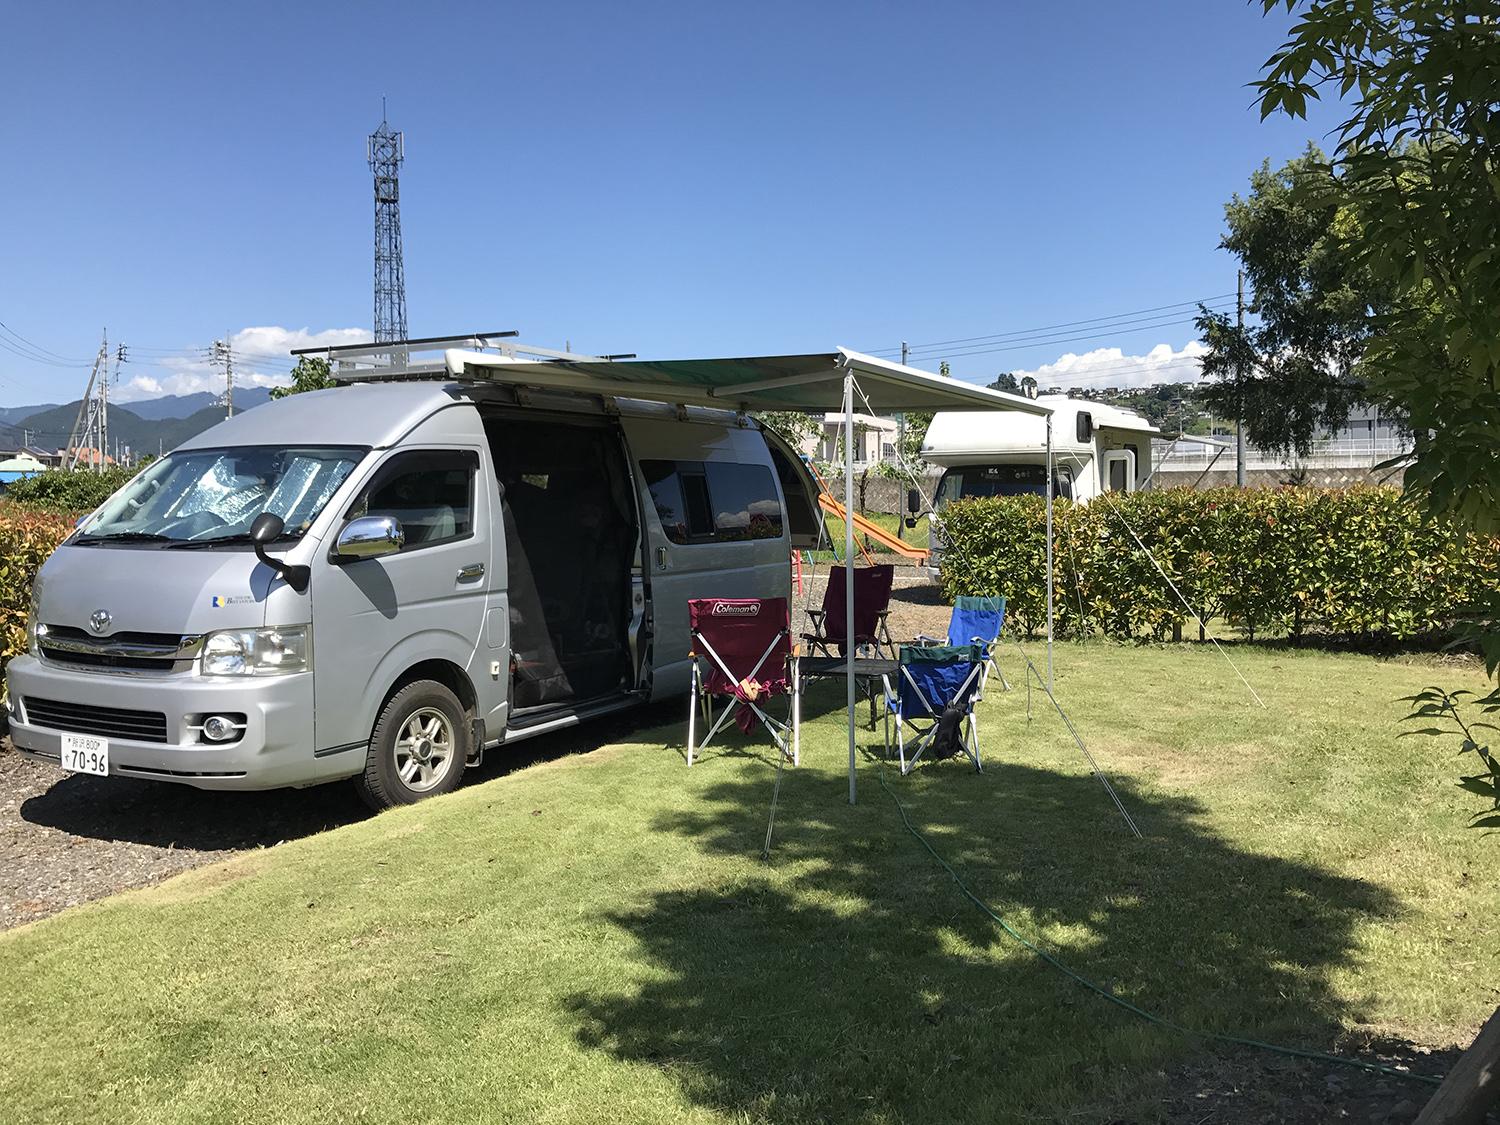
(212, 496)
(1002, 480)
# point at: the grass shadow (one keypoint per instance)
(849, 980)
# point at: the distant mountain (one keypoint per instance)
(50, 427)
(170, 406)
(16, 413)
(151, 409)
(185, 406)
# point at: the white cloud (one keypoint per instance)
(1111, 367)
(261, 359)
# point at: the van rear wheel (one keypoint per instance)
(418, 749)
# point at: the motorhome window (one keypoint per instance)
(212, 496)
(431, 493)
(971, 481)
(714, 501)
(1118, 474)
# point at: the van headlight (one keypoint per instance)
(256, 652)
(32, 620)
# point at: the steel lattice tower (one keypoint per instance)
(386, 153)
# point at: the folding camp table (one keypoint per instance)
(870, 673)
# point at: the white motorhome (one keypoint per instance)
(1095, 449)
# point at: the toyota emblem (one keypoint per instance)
(99, 620)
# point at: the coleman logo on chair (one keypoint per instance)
(733, 609)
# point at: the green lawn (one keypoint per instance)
(916, 536)
(596, 939)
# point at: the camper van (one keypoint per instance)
(1095, 449)
(383, 580)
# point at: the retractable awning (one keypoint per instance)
(818, 383)
(784, 382)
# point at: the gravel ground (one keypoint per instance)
(916, 603)
(70, 838)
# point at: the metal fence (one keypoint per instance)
(1329, 453)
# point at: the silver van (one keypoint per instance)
(382, 580)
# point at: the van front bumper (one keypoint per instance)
(274, 750)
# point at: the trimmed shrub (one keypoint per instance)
(26, 539)
(69, 491)
(1359, 562)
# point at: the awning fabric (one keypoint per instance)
(811, 383)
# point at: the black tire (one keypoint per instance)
(396, 770)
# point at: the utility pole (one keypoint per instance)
(901, 455)
(1239, 382)
(86, 426)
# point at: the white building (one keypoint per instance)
(875, 440)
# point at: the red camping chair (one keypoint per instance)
(872, 601)
(742, 648)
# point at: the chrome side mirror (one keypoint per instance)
(369, 537)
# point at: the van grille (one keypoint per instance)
(142, 652)
(82, 718)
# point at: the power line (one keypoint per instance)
(75, 360)
(1164, 320)
(1060, 342)
(1047, 328)
(31, 358)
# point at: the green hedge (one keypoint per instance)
(69, 491)
(26, 539)
(1358, 562)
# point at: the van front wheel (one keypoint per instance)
(418, 748)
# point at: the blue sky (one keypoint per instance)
(667, 179)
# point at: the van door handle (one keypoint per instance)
(661, 558)
(469, 573)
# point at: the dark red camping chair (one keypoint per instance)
(872, 601)
(742, 649)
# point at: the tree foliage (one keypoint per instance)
(1295, 369)
(795, 427)
(312, 373)
(1415, 169)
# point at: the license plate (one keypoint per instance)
(85, 753)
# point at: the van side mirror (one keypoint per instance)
(267, 528)
(913, 501)
(369, 537)
(1085, 423)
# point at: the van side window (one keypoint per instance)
(430, 491)
(745, 502)
(714, 501)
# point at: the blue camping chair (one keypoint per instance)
(977, 621)
(936, 688)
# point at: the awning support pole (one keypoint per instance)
(849, 563)
(1049, 552)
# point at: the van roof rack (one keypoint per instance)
(424, 358)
